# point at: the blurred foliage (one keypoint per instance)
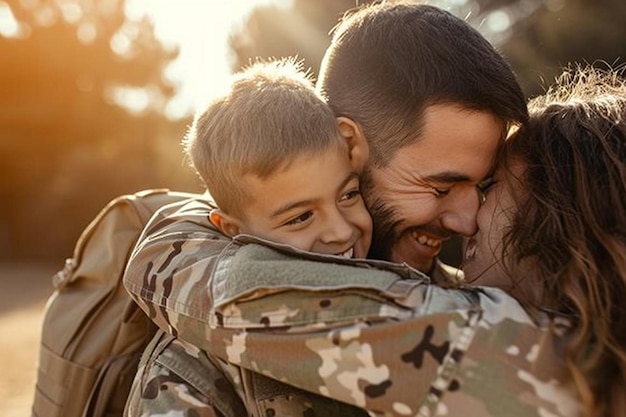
(561, 32)
(66, 148)
(537, 37)
(302, 30)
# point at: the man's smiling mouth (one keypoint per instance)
(425, 240)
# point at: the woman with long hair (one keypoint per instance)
(552, 228)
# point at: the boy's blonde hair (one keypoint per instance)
(270, 116)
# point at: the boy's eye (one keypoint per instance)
(350, 195)
(299, 219)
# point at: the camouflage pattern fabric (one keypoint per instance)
(177, 379)
(372, 334)
(174, 380)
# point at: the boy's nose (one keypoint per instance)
(337, 229)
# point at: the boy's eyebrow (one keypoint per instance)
(290, 206)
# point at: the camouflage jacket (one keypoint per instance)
(372, 334)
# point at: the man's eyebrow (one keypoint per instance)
(303, 203)
(448, 177)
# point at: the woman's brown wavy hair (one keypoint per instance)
(571, 223)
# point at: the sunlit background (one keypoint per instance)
(200, 29)
(95, 96)
(197, 28)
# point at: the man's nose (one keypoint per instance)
(460, 212)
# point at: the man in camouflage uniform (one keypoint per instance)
(370, 334)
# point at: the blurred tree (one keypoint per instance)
(303, 29)
(560, 32)
(67, 144)
(537, 37)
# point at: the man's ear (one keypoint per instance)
(226, 223)
(357, 144)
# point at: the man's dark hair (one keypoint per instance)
(387, 63)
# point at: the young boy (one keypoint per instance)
(279, 165)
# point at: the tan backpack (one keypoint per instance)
(93, 334)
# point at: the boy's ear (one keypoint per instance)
(226, 223)
(358, 147)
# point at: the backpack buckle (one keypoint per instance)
(62, 278)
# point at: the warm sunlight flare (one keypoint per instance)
(200, 28)
(9, 27)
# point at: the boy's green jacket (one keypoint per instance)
(372, 334)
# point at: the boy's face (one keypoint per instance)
(428, 191)
(313, 204)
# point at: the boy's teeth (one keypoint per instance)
(348, 254)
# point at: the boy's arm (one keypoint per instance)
(181, 275)
(178, 242)
(371, 334)
(229, 299)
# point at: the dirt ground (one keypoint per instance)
(24, 289)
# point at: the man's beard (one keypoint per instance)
(385, 221)
(384, 233)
